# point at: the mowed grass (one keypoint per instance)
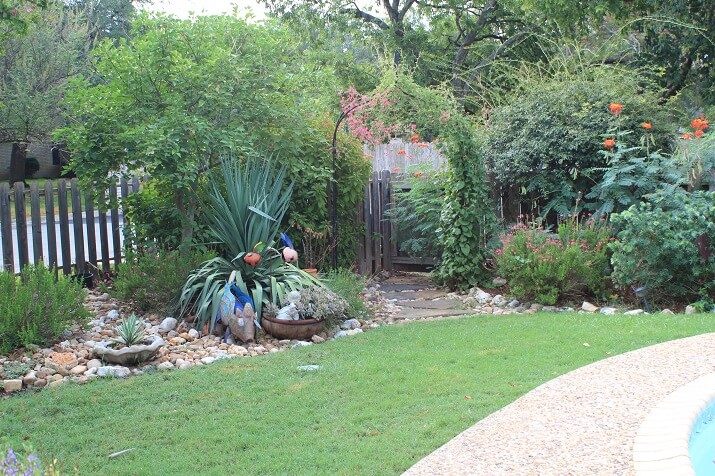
(380, 402)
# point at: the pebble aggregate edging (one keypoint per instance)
(661, 446)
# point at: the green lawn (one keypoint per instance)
(381, 401)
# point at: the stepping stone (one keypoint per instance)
(440, 304)
(422, 294)
(408, 313)
(392, 287)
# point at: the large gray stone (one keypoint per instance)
(633, 312)
(12, 385)
(168, 324)
(690, 309)
(609, 311)
(350, 324)
(481, 296)
(115, 371)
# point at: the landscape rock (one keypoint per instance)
(300, 343)
(193, 333)
(13, 385)
(666, 311)
(317, 339)
(167, 325)
(165, 366)
(39, 383)
(690, 309)
(29, 379)
(350, 324)
(288, 313)
(609, 311)
(498, 282)
(513, 304)
(309, 368)
(208, 360)
(633, 312)
(112, 315)
(499, 300)
(588, 307)
(346, 333)
(78, 370)
(55, 383)
(481, 296)
(115, 371)
(94, 364)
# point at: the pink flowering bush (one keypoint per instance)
(550, 267)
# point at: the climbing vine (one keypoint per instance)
(401, 107)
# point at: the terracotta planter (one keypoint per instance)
(299, 330)
(311, 271)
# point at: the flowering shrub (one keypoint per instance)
(548, 267)
(13, 464)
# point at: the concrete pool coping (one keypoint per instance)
(661, 446)
(582, 422)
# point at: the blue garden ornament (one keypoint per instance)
(286, 241)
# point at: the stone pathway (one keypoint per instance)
(583, 422)
(414, 297)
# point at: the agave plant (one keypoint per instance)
(131, 331)
(246, 206)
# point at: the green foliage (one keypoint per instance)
(549, 268)
(14, 369)
(306, 153)
(417, 212)
(179, 94)
(468, 222)
(36, 69)
(318, 302)
(152, 281)
(348, 286)
(36, 308)
(630, 174)
(246, 206)
(663, 245)
(544, 142)
(131, 331)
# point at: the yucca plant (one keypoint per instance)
(131, 331)
(246, 206)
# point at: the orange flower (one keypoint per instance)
(415, 138)
(401, 152)
(699, 133)
(609, 143)
(647, 126)
(423, 145)
(686, 136)
(700, 124)
(615, 108)
(418, 174)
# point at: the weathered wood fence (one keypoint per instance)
(379, 247)
(61, 226)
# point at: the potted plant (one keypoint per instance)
(132, 347)
(307, 313)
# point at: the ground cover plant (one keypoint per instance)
(362, 412)
(36, 308)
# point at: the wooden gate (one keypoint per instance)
(378, 248)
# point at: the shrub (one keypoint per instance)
(667, 246)
(318, 302)
(25, 463)
(417, 211)
(36, 308)
(546, 137)
(548, 268)
(153, 281)
(348, 286)
(244, 211)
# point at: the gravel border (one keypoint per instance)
(583, 422)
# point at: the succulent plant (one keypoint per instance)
(131, 331)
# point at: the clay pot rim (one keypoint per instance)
(299, 322)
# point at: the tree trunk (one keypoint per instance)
(187, 210)
(18, 157)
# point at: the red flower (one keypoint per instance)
(700, 124)
(699, 133)
(415, 138)
(401, 152)
(647, 126)
(615, 108)
(609, 143)
(418, 174)
(686, 136)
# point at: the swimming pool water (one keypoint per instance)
(702, 442)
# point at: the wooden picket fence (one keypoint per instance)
(74, 232)
(378, 248)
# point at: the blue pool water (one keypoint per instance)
(702, 442)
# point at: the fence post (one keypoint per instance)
(375, 222)
(36, 223)
(21, 225)
(103, 235)
(50, 224)
(116, 242)
(385, 221)
(78, 227)
(91, 229)
(65, 243)
(6, 228)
